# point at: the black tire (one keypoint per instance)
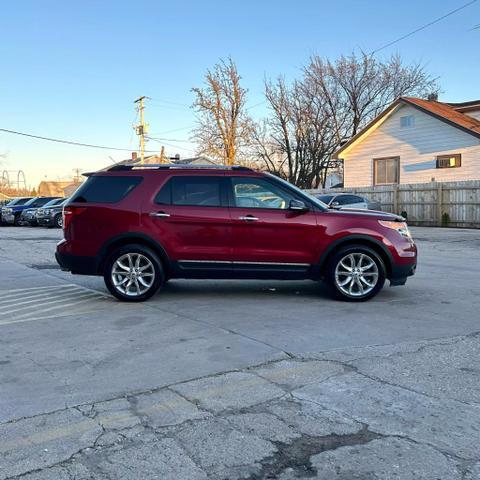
(16, 221)
(356, 296)
(58, 221)
(134, 249)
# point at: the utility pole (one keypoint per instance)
(142, 128)
(76, 177)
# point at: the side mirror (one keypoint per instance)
(298, 206)
(335, 204)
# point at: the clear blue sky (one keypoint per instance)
(72, 69)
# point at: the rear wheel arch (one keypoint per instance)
(133, 238)
(362, 240)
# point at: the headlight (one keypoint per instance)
(400, 227)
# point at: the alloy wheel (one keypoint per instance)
(133, 274)
(356, 274)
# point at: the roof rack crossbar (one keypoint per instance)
(166, 166)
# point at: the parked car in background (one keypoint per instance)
(347, 200)
(7, 209)
(50, 215)
(13, 214)
(139, 226)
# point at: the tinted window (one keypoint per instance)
(164, 196)
(105, 189)
(348, 199)
(37, 201)
(258, 193)
(54, 202)
(325, 198)
(40, 202)
(194, 191)
(18, 201)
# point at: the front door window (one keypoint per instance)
(258, 193)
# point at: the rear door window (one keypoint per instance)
(200, 191)
(106, 189)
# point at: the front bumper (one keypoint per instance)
(10, 219)
(400, 273)
(45, 221)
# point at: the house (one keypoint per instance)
(415, 141)
(57, 188)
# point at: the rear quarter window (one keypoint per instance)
(106, 189)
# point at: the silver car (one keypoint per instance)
(347, 200)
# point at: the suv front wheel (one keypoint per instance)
(356, 273)
(133, 273)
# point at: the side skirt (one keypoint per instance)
(241, 270)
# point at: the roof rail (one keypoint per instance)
(167, 166)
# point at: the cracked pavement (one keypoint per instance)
(159, 391)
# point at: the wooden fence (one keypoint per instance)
(448, 204)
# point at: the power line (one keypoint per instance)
(155, 100)
(423, 27)
(256, 105)
(69, 142)
(170, 145)
(175, 130)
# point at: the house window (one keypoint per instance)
(386, 170)
(449, 161)
(407, 121)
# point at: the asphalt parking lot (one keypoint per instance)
(239, 379)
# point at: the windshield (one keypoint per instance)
(38, 201)
(312, 198)
(55, 202)
(18, 201)
(325, 198)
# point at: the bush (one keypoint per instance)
(445, 219)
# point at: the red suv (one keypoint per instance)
(139, 226)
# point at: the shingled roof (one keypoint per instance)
(449, 113)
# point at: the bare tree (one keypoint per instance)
(357, 88)
(223, 124)
(330, 103)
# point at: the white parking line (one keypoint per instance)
(39, 303)
(14, 309)
(13, 290)
(31, 298)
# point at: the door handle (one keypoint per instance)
(248, 218)
(159, 214)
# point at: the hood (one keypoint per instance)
(358, 212)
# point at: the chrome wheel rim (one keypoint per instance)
(133, 274)
(356, 274)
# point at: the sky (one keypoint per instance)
(72, 70)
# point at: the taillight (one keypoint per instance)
(68, 213)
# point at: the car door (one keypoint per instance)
(189, 217)
(266, 234)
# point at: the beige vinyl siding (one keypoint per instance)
(417, 147)
(474, 114)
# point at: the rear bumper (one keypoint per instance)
(77, 264)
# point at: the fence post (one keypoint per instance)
(395, 199)
(439, 204)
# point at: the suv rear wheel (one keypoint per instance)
(356, 273)
(133, 273)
